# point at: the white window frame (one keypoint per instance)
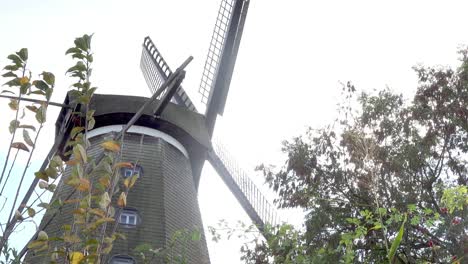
(128, 214)
(129, 172)
(122, 259)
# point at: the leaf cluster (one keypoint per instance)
(384, 159)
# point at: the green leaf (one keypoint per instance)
(56, 161)
(196, 235)
(31, 212)
(28, 127)
(11, 67)
(14, 82)
(90, 91)
(41, 175)
(9, 74)
(82, 152)
(411, 207)
(73, 50)
(79, 67)
(397, 241)
(87, 40)
(91, 123)
(43, 205)
(41, 114)
(51, 187)
(75, 131)
(48, 93)
(23, 54)
(41, 85)
(78, 56)
(36, 244)
(25, 87)
(80, 43)
(48, 77)
(13, 126)
(415, 220)
(13, 104)
(27, 138)
(7, 91)
(32, 108)
(15, 59)
(51, 172)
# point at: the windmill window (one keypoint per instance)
(122, 259)
(129, 172)
(129, 218)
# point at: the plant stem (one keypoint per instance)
(11, 142)
(9, 226)
(9, 172)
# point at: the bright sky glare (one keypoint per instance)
(292, 58)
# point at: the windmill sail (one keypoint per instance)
(156, 71)
(258, 208)
(222, 54)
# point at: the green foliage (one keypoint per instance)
(396, 242)
(386, 181)
(10, 256)
(92, 232)
(174, 253)
(95, 182)
(455, 198)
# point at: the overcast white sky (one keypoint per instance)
(292, 58)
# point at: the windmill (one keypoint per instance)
(214, 87)
(172, 142)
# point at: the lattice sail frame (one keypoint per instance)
(156, 71)
(215, 49)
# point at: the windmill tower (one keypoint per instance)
(171, 141)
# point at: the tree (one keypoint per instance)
(386, 182)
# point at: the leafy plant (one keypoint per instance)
(179, 240)
(385, 183)
(98, 191)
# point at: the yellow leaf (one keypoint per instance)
(105, 200)
(82, 152)
(79, 211)
(84, 185)
(76, 257)
(111, 146)
(72, 162)
(133, 180)
(13, 104)
(71, 239)
(122, 202)
(42, 236)
(105, 220)
(97, 212)
(127, 182)
(24, 80)
(104, 181)
(36, 244)
(71, 201)
(124, 164)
